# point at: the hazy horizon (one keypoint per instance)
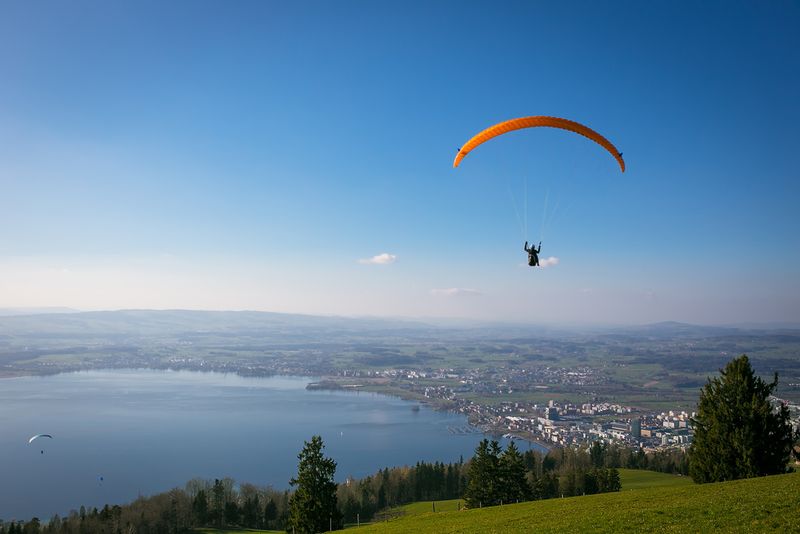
(426, 320)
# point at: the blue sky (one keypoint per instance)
(247, 155)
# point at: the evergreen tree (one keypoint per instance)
(614, 483)
(312, 508)
(381, 503)
(484, 471)
(737, 433)
(597, 453)
(270, 513)
(514, 486)
(250, 512)
(549, 463)
(232, 513)
(350, 509)
(32, 526)
(200, 508)
(570, 484)
(218, 502)
(590, 482)
(548, 486)
(603, 479)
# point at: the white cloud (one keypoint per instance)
(456, 292)
(380, 259)
(548, 262)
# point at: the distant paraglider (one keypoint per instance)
(37, 436)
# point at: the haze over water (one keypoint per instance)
(146, 431)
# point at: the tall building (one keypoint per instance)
(636, 428)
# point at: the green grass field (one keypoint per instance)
(630, 478)
(243, 531)
(423, 507)
(637, 479)
(754, 505)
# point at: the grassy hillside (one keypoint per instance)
(424, 507)
(769, 503)
(634, 479)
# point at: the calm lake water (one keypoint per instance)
(146, 431)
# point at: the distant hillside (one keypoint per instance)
(65, 323)
(676, 330)
(754, 505)
(156, 323)
(673, 330)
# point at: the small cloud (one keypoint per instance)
(456, 292)
(548, 262)
(380, 259)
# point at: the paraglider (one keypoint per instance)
(533, 254)
(37, 436)
(534, 122)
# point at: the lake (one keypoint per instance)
(118, 434)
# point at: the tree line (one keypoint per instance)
(361, 500)
(499, 476)
(671, 461)
(224, 503)
(220, 503)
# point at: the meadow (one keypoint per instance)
(762, 504)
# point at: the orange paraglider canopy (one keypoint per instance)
(533, 122)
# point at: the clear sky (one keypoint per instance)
(297, 156)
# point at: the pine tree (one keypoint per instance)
(270, 513)
(737, 433)
(218, 502)
(484, 476)
(232, 513)
(602, 478)
(591, 484)
(200, 508)
(312, 508)
(514, 485)
(614, 483)
(250, 512)
(597, 454)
